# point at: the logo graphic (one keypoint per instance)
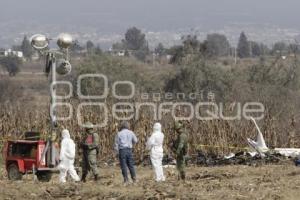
(127, 108)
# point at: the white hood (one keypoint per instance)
(155, 142)
(65, 134)
(157, 127)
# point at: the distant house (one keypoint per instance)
(169, 57)
(9, 52)
(120, 53)
(3, 53)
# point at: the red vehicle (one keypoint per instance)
(27, 156)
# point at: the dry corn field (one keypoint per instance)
(29, 111)
(17, 119)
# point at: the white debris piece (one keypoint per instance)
(231, 155)
(259, 146)
(288, 152)
(169, 166)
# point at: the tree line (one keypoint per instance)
(135, 44)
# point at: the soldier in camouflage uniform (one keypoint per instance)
(180, 148)
(90, 147)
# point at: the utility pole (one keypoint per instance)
(40, 43)
(250, 45)
(153, 59)
(235, 57)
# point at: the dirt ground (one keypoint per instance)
(229, 182)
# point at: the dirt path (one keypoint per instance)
(230, 182)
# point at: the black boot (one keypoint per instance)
(134, 179)
(182, 174)
(96, 178)
(83, 178)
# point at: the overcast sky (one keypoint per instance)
(113, 15)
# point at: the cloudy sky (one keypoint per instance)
(117, 15)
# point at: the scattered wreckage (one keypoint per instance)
(257, 154)
(259, 146)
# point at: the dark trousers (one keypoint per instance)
(126, 160)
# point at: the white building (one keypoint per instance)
(120, 53)
(9, 52)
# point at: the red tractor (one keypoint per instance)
(29, 156)
(34, 155)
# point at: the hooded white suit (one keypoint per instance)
(155, 144)
(67, 157)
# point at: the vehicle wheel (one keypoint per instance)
(13, 172)
(44, 176)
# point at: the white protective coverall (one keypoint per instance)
(155, 145)
(67, 157)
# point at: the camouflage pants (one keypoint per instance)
(89, 163)
(180, 164)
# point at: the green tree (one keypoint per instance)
(135, 39)
(294, 48)
(279, 47)
(264, 49)
(177, 54)
(98, 50)
(199, 77)
(160, 49)
(26, 47)
(90, 47)
(76, 47)
(119, 46)
(256, 49)
(191, 48)
(217, 45)
(191, 44)
(243, 49)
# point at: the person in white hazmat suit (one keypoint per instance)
(67, 157)
(155, 145)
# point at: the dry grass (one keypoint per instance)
(230, 182)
